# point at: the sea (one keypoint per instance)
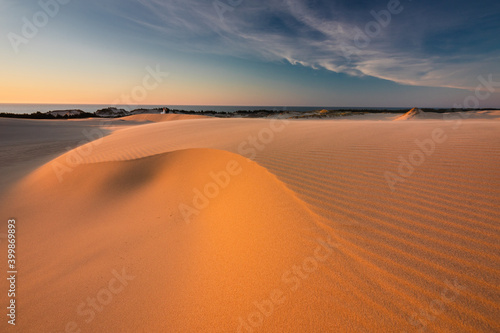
(31, 108)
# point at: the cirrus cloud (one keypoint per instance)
(427, 44)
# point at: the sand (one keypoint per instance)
(255, 225)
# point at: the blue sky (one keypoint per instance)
(242, 52)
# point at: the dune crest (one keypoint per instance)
(413, 113)
(233, 252)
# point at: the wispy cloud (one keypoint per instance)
(424, 45)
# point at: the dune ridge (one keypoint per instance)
(413, 113)
(223, 253)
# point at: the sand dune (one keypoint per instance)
(230, 254)
(418, 114)
(412, 114)
(247, 225)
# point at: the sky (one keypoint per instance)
(387, 53)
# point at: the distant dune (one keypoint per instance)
(161, 117)
(418, 114)
(413, 113)
(248, 225)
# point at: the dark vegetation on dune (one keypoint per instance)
(48, 115)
